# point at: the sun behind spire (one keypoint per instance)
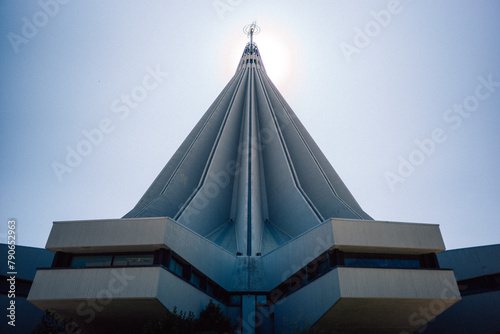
(250, 30)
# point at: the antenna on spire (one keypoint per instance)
(250, 30)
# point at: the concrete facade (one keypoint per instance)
(250, 213)
(479, 310)
(27, 260)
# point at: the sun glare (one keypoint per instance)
(277, 56)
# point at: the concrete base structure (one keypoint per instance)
(270, 291)
(250, 213)
(368, 300)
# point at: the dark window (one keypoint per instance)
(195, 280)
(211, 289)
(175, 267)
(162, 256)
(381, 260)
(472, 286)
(481, 284)
(82, 261)
(295, 282)
(186, 272)
(61, 259)
(496, 280)
(133, 260)
(317, 267)
(336, 257)
(284, 289)
(121, 260)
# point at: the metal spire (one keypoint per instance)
(250, 30)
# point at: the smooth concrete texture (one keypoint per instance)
(368, 300)
(249, 199)
(27, 260)
(109, 235)
(133, 294)
(248, 176)
(472, 262)
(255, 273)
(386, 237)
(474, 314)
(143, 235)
(351, 235)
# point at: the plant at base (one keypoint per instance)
(213, 320)
(50, 324)
(172, 323)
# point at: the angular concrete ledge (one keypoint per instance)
(362, 236)
(110, 235)
(143, 235)
(359, 300)
(149, 234)
(82, 283)
(386, 237)
(133, 292)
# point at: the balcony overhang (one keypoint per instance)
(143, 235)
(386, 237)
(108, 235)
(149, 234)
(351, 235)
(100, 296)
(371, 300)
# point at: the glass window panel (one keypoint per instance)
(195, 280)
(133, 260)
(473, 285)
(322, 267)
(91, 261)
(381, 262)
(175, 267)
(211, 289)
(496, 281)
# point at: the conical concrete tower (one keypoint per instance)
(248, 212)
(249, 176)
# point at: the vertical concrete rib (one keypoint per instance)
(241, 192)
(244, 193)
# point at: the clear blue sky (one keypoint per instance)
(368, 79)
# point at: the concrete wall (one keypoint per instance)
(350, 235)
(360, 300)
(472, 262)
(107, 235)
(478, 313)
(98, 297)
(27, 260)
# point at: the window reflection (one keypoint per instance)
(91, 261)
(84, 261)
(133, 260)
(381, 261)
(195, 280)
(175, 267)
